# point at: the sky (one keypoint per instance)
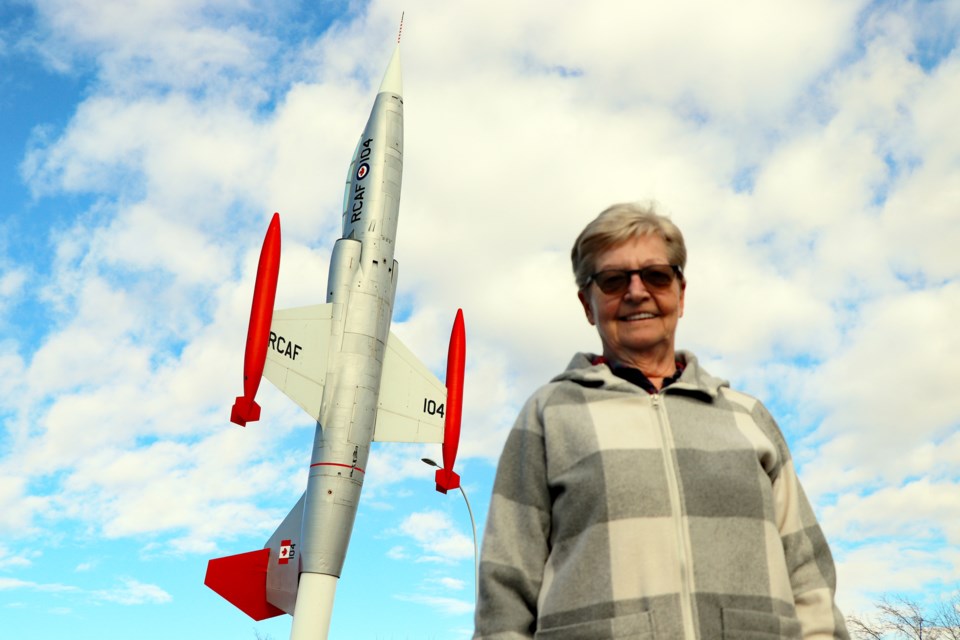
(808, 149)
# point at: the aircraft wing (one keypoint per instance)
(412, 400)
(298, 353)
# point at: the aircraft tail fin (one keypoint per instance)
(262, 583)
(242, 580)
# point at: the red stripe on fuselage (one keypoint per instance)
(336, 464)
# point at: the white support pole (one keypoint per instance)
(314, 608)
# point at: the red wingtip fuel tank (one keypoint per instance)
(245, 409)
(446, 478)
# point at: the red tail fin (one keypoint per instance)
(242, 581)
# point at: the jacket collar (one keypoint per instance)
(693, 381)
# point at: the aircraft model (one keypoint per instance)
(342, 365)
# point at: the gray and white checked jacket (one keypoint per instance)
(620, 514)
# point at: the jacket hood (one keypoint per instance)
(694, 380)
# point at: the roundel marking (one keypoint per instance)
(362, 171)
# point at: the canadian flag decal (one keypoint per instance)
(286, 551)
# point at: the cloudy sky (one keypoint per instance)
(808, 148)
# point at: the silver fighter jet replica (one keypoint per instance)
(342, 365)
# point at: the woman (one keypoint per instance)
(638, 496)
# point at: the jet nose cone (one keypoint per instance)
(393, 79)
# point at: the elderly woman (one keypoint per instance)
(638, 496)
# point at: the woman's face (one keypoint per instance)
(640, 322)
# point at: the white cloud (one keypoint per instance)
(865, 573)
(198, 493)
(12, 369)
(131, 592)
(397, 552)
(15, 559)
(454, 584)
(12, 282)
(18, 506)
(448, 606)
(436, 535)
(10, 584)
(134, 592)
(184, 47)
(923, 511)
(902, 348)
(392, 464)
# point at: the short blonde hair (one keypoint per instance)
(615, 225)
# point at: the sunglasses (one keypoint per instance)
(656, 277)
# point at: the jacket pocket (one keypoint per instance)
(635, 627)
(744, 624)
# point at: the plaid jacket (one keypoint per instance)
(620, 514)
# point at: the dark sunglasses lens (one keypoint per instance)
(657, 277)
(612, 281)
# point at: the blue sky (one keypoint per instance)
(808, 150)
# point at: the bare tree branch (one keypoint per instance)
(904, 616)
(900, 618)
(863, 629)
(947, 618)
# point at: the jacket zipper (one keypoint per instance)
(687, 605)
